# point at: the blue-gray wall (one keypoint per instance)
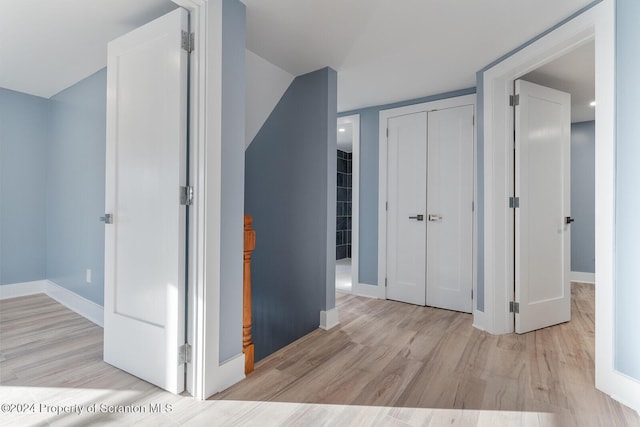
(232, 197)
(290, 176)
(75, 187)
(583, 197)
(369, 159)
(627, 228)
(52, 180)
(23, 145)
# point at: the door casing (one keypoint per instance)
(596, 22)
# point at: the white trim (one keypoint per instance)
(598, 22)
(385, 115)
(354, 120)
(369, 291)
(208, 376)
(577, 276)
(15, 290)
(329, 319)
(498, 159)
(230, 372)
(74, 302)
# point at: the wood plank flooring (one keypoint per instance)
(387, 363)
(386, 353)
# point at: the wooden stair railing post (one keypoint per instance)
(247, 344)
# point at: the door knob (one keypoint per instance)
(433, 217)
(107, 218)
(418, 217)
(568, 220)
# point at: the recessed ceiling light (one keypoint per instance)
(342, 130)
(592, 103)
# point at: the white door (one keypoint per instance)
(542, 183)
(145, 168)
(450, 208)
(406, 211)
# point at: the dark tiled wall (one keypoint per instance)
(343, 206)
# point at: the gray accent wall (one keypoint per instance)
(369, 172)
(290, 191)
(75, 187)
(23, 147)
(232, 197)
(627, 228)
(583, 197)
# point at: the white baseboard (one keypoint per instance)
(329, 319)
(479, 319)
(229, 373)
(577, 276)
(74, 302)
(15, 290)
(369, 291)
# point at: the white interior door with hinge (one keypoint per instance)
(450, 208)
(542, 184)
(145, 257)
(407, 199)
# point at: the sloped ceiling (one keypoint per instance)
(384, 51)
(48, 45)
(387, 51)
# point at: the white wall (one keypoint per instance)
(266, 83)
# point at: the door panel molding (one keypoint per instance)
(384, 115)
(145, 252)
(542, 183)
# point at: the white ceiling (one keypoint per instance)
(387, 51)
(345, 138)
(573, 73)
(384, 51)
(48, 45)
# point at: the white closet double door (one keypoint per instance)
(430, 208)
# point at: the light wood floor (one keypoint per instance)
(387, 353)
(387, 363)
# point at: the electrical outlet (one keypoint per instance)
(88, 275)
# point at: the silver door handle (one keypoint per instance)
(418, 217)
(433, 217)
(107, 218)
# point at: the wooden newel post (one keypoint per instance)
(247, 344)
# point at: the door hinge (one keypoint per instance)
(473, 120)
(514, 307)
(514, 100)
(107, 218)
(385, 282)
(386, 206)
(473, 206)
(387, 133)
(186, 195)
(188, 41)
(471, 294)
(184, 354)
(514, 202)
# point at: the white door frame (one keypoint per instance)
(354, 121)
(456, 101)
(598, 22)
(207, 375)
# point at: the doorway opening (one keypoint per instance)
(347, 201)
(496, 274)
